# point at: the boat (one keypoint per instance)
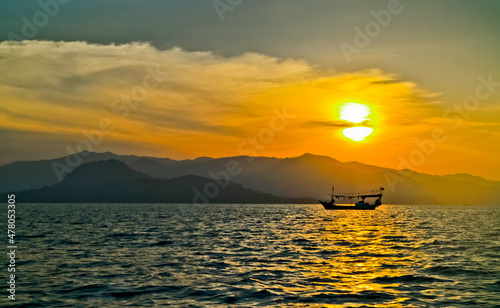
(361, 204)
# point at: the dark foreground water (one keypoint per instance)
(256, 255)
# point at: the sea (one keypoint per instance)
(241, 255)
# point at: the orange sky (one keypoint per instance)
(201, 104)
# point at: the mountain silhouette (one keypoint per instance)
(305, 176)
(112, 181)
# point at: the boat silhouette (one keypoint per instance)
(361, 204)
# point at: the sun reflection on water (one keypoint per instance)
(350, 255)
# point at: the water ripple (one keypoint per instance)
(257, 255)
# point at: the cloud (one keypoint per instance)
(205, 104)
(337, 124)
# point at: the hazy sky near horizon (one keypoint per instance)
(215, 83)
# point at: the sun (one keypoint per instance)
(356, 113)
(357, 133)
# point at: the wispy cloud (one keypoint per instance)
(337, 124)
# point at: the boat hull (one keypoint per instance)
(330, 206)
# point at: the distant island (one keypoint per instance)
(111, 178)
(111, 181)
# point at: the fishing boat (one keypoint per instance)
(361, 204)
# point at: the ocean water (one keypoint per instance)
(138, 255)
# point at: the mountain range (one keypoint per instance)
(307, 176)
(111, 181)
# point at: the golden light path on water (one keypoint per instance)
(355, 254)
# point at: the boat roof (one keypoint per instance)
(376, 193)
(354, 195)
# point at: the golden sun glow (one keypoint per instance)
(356, 113)
(357, 133)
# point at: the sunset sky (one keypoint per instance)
(183, 79)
